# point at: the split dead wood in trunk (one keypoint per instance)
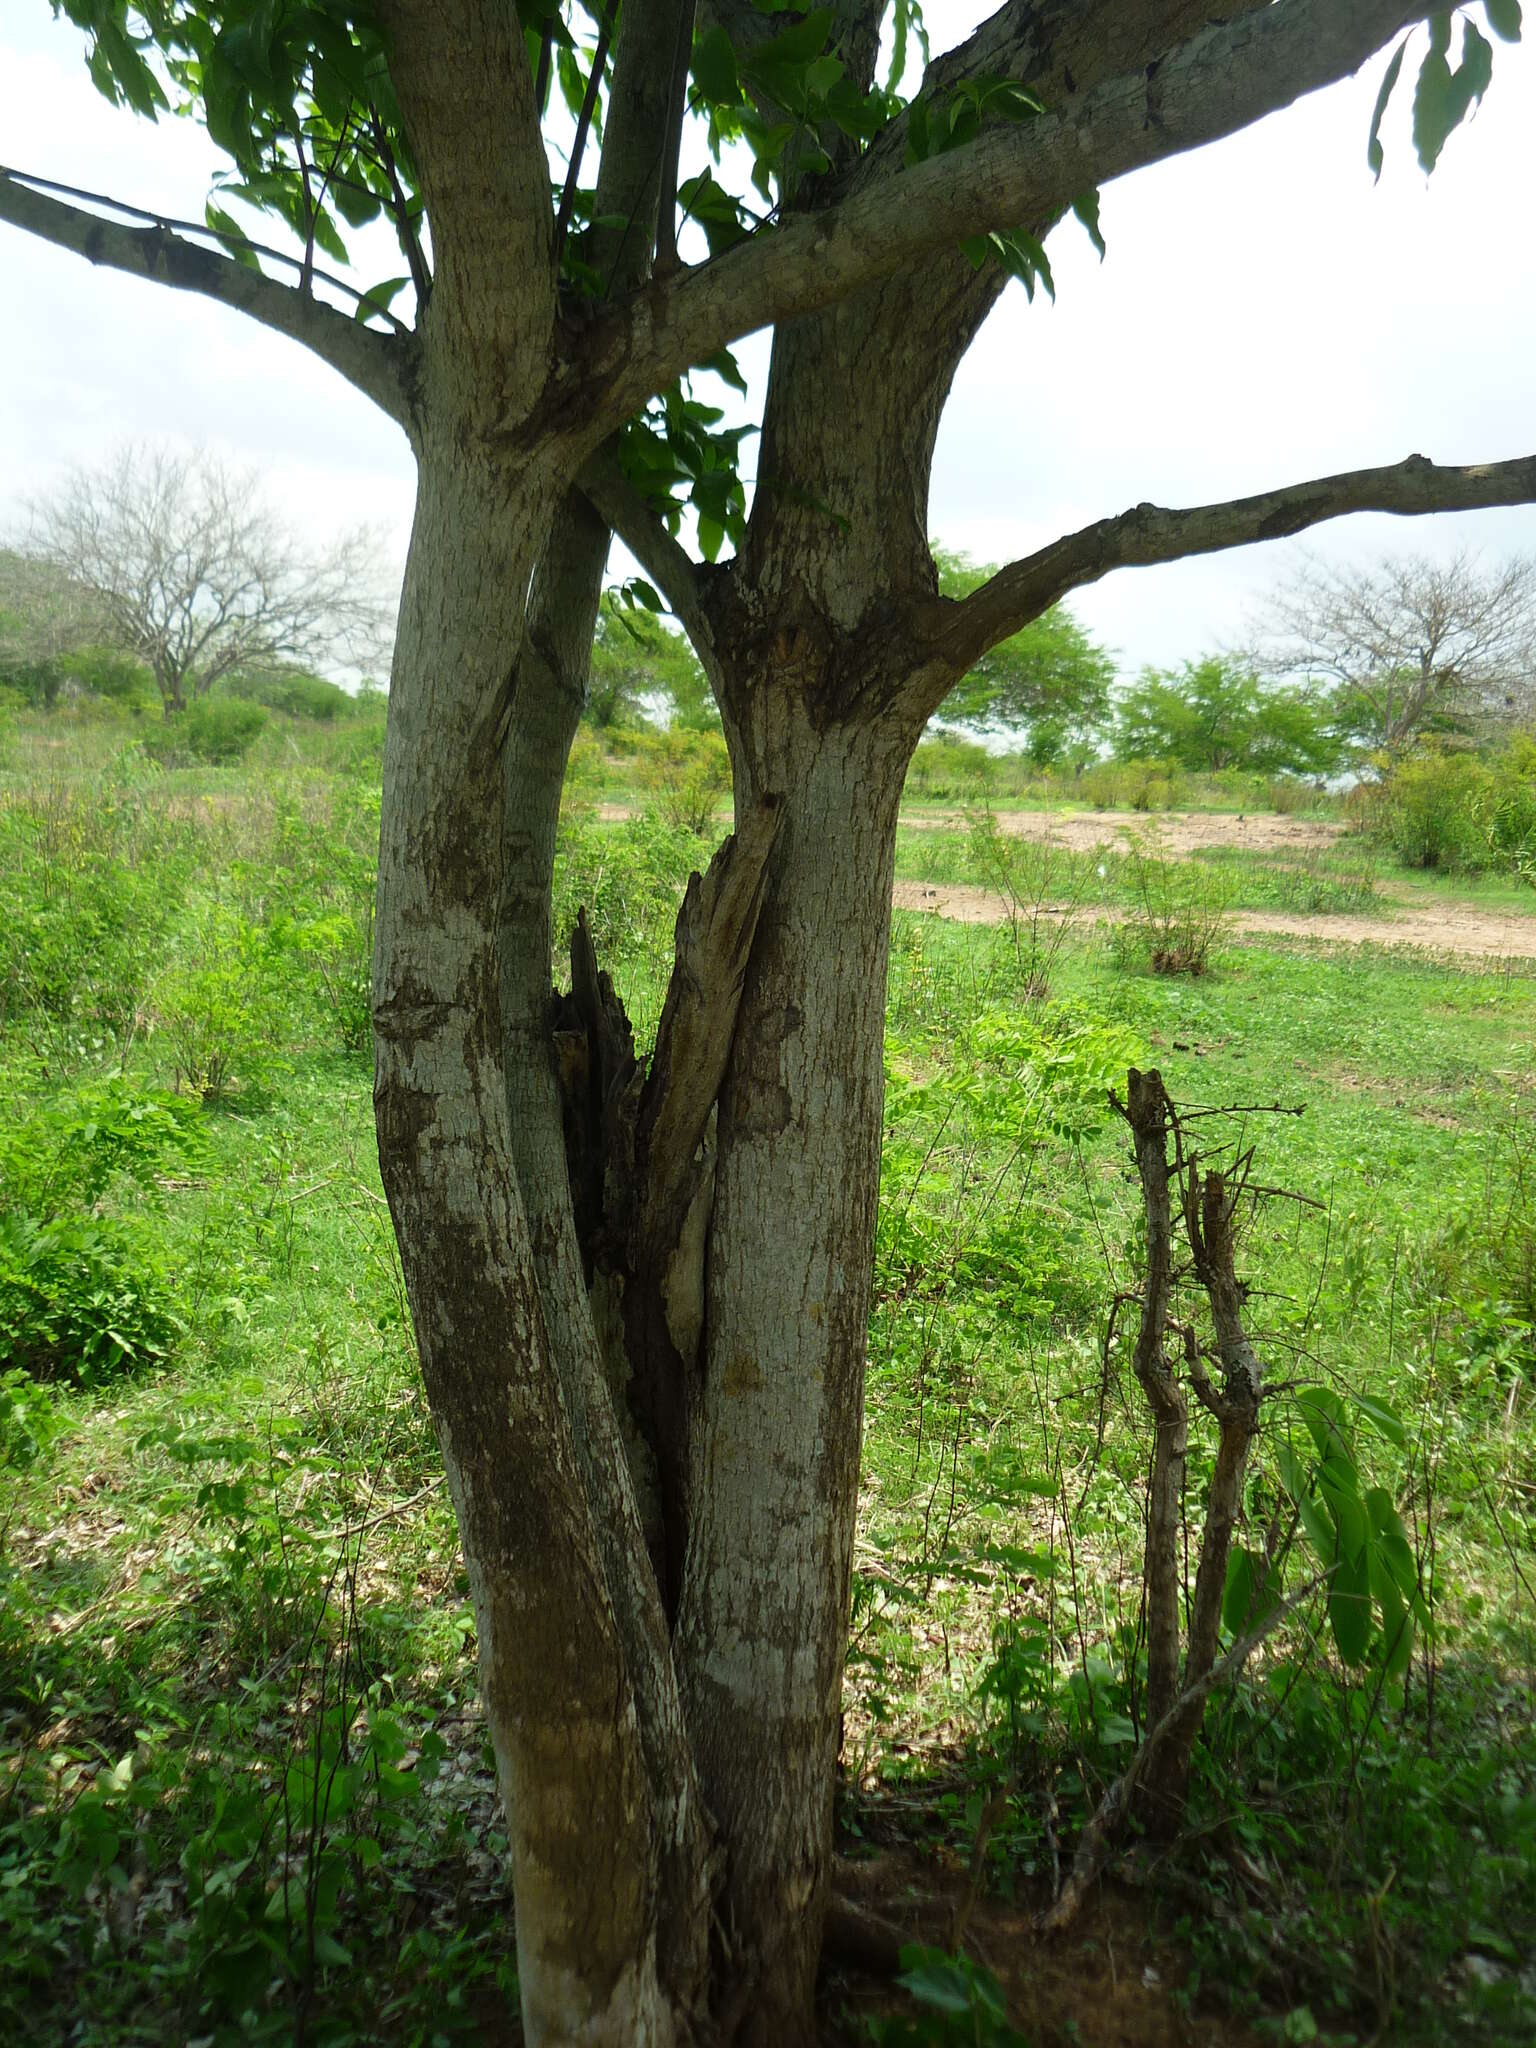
(640, 1153)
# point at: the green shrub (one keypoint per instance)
(216, 729)
(87, 886)
(946, 770)
(294, 693)
(219, 1005)
(688, 773)
(1427, 810)
(328, 918)
(83, 1291)
(630, 880)
(1177, 916)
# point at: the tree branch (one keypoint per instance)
(671, 143)
(665, 561)
(382, 366)
(583, 124)
(1222, 80)
(1148, 534)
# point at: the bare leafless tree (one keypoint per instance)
(1412, 645)
(196, 575)
(43, 613)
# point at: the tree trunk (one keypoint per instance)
(559, 1698)
(776, 1425)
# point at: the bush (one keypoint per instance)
(1457, 813)
(216, 729)
(218, 1006)
(1177, 916)
(87, 885)
(944, 770)
(688, 772)
(294, 693)
(83, 1293)
(328, 919)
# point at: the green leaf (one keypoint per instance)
(724, 365)
(711, 538)
(919, 143)
(1324, 1414)
(1375, 155)
(1504, 18)
(795, 47)
(1348, 1510)
(377, 298)
(1238, 1597)
(1085, 207)
(1476, 72)
(573, 81)
(1384, 1416)
(228, 229)
(1349, 1607)
(714, 68)
(1390, 1541)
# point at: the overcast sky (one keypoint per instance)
(1265, 313)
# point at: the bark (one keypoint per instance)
(1147, 1111)
(566, 1713)
(1208, 1216)
(776, 1423)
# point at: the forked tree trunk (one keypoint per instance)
(667, 1752)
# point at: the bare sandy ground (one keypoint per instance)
(1453, 928)
(1172, 832)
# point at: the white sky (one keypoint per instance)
(1266, 313)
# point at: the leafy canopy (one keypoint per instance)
(298, 94)
(1214, 714)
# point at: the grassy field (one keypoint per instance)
(246, 1790)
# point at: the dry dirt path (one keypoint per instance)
(1451, 928)
(1173, 832)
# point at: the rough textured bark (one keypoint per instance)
(775, 1431)
(1146, 1109)
(559, 1699)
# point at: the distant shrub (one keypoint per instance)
(1131, 786)
(88, 883)
(294, 693)
(218, 1007)
(109, 673)
(688, 773)
(1458, 813)
(214, 729)
(327, 918)
(948, 770)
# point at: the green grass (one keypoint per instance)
(226, 1561)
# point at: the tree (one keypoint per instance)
(194, 576)
(1048, 681)
(1215, 714)
(1413, 646)
(43, 616)
(641, 1309)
